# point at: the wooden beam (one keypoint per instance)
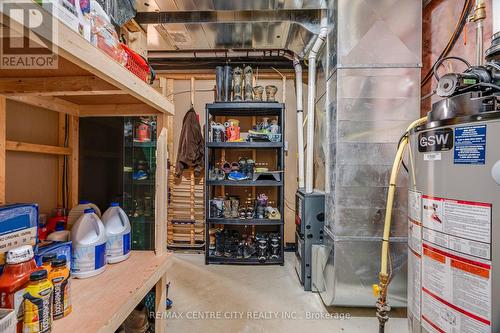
(116, 110)
(61, 136)
(169, 93)
(73, 161)
(36, 148)
(49, 103)
(3, 123)
(57, 86)
(161, 192)
(161, 304)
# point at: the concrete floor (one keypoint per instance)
(255, 299)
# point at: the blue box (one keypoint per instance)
(59, 248)
(18, 225)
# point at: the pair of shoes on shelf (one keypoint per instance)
(216, 174)
(268, 246)
(246, 213)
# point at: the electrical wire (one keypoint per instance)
(440, 61)
(468, 5)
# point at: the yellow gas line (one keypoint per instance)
(380, 290)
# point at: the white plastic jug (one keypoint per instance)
(89, 246)
(77, 211)
(118, 229)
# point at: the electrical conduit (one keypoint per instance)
(311, 98)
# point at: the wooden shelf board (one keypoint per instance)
(35, 148)
(101, 303)
(72, 48)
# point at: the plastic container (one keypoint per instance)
(8, 321)
(77, 211)
(61, 249)
(38, 304)
(47, 261)
(20, 263)
(118, 230)
(61, 298)
(88, 236)
(59, 235)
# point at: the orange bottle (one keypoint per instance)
(47, 261)
(16, 273)
(61, 296)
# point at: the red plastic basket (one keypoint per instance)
(136, 64)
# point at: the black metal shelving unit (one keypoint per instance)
(236, 109)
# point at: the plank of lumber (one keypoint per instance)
(36, 148)
(3, 123)
(116, 110)
(57, 86)
(73, 160)
(49, 103)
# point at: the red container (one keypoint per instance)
(136, 64)
(44, 230)
(16, 273)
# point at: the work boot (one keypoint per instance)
(219, 82)
(238, 84)
(262, 249)
(274, 246)
(219, 243)
(249, 249)
(248, 80)
(250, 164)
(228, 81)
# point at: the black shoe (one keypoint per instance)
(219, 244)
(262, 248)
(274, 246)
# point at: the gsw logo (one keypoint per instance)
(435, 140)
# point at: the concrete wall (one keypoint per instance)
(182, 104)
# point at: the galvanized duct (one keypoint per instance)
(372, 85)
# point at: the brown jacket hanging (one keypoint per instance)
(191, 145)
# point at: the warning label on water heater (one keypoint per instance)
(456, 265)
(456, 291)
(470, 145)
(462, 226)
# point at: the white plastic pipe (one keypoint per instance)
(300, 120)
(311, 98)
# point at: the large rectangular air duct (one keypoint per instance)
(372, 60)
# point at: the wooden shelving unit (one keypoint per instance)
(88, 83)
(101, 303)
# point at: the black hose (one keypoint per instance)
(381, 328)
(440, 61)
(468, 5)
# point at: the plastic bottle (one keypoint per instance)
(47, 261)
(61, 297)
(59, 235)
(20, 263)
(38, 304)
(118, 230)
(88, 236)
(77, 211)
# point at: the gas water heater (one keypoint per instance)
(454, 207)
